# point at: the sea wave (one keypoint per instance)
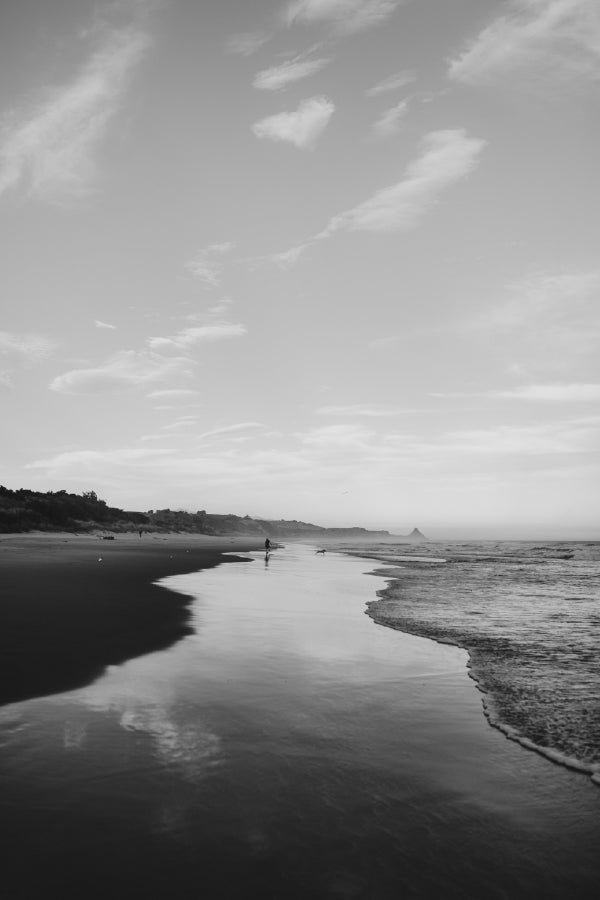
(528, 614)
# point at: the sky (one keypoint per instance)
(328, 260)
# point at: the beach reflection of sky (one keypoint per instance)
(284, 641)
(286, 732)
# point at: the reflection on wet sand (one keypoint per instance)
(289, 747)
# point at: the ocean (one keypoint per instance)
(529, 615)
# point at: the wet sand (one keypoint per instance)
(70, 605)
(287, 748)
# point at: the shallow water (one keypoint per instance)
(290, 748)
(529, 615)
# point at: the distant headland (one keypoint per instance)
(25, 510)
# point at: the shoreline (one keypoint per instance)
(574, 765)
(286, 748)
(494, 720)
(72, 604)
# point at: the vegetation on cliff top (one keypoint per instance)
(25, 510)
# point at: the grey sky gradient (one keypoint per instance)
(323, 259)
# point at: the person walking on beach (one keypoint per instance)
(267, 546)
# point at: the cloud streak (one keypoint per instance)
(391, 83)
(359, 409)
(390, 121)
(302, 127)
(586, 392)
(545, 439)
(550, 319)
(248, 42)
(87, 460)
(22, 351)
(548, 296)
(323, 461)
(172, 393)
(228, 430)
(560, 38)
(447, 157)
(29, 348)
(49, 150)
(278, 77)
(198, 334)
(345, 16)
(123, 371)
(207, 265)
(561, 393)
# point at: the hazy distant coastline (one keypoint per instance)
(25, 510)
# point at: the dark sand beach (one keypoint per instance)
(73, 604)
(285, 746)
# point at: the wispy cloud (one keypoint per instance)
(207, 265)
(88, 460)
(198, 334)
(29, 348)
(122, 462)
(552, 393)
(391, 83)
(550, 319)
(213, 313)
(301, 127)
(228, 430)
(382, 343)
(278, 77)
(327, 460)
(248, 42)
(389, 122)
(284, 260)
(541, 296)
(288, 258)
(22, 351)
(447, 157)
(125, 370)
(182, 422)
(100, 324)
(572, 393)
(49, 150)
(337, 436)
(360, 410)
(545, 438)
(173, 393)
(346, 16)
(558, 38)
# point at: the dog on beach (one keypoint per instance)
(322, 551)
